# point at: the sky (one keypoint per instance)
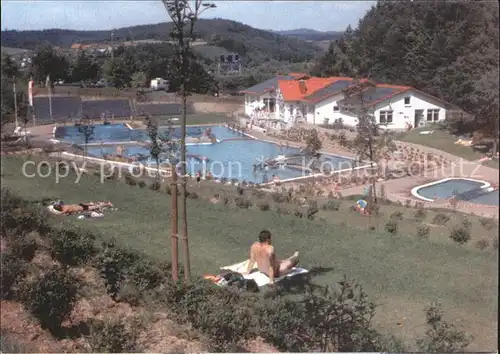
(109, 14)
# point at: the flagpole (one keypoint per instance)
(15, 99)
(50, 97)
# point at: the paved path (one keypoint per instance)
(400, 189)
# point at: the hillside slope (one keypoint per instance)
(254, 45)
(308, 34)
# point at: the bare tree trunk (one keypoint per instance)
(187, 264)
(175, 227)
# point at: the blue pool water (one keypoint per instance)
(120, 133)
(463, 189)
(229, 158)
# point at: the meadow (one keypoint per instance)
(401, 272)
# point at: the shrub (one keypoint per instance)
(397, 215)
(242, 203)
(420, 214)
(111, 336)
(218, 313)
(131, 181)
(423, 231)
(23, 247)
(263, 205)
(279, 198)
(332, 205)
(282, 209)
(312, 211)
(193, 195)
(72, 247)
(391, 227)
(127, 274)
(13, 270)
(50, 298)
(488, 224)
(155, 185)
(482, 243)
(141, 184)
(441, 337)
(440, 219)
(240, 190)
(466, 223)
(460, 234)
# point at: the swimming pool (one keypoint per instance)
(465, 189)
(233, 157)
(121, 133)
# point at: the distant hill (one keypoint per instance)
(254, 45)
(308, 34)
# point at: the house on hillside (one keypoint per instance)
(297, 97)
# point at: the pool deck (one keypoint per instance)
(396, 189)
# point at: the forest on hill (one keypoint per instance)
(447, 49)
(255, 46)
(308, 34)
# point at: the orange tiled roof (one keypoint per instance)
(297, 90)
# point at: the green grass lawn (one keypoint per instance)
(402, 273)
(441, 140)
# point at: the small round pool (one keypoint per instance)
(471, 190)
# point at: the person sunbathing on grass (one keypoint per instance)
(69, 209)
(262, 252)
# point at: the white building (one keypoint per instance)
(297, 98)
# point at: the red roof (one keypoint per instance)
(298, 90)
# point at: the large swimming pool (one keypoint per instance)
(233, 157)
(470, 190)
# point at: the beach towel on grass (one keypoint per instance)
(52, 210)
(260, 278)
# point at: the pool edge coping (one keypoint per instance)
(414, 190)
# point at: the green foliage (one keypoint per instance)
(441, 337)
(332, 205)
(111, 335)
(460, 234)
(483, 243)
(391, 227)
(423, 231)
(263, 205)
(420, 214)
(488, 224)
(436, 46)
(72, 247)
(119, 268)
(23, 246)
(50, 297)
(13, 270)
(313, 142)
(440, 219)
(397, 215)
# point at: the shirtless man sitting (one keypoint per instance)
(262, 252)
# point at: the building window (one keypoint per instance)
(407, 101)
(335, 108)
(432, 115)
(385, 117)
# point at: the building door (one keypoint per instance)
(419, 115)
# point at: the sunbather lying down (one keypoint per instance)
(70, 209)
(262, 252)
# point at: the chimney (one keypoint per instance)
(302, 86)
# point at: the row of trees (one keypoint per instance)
(447, 49)
(126, 67)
